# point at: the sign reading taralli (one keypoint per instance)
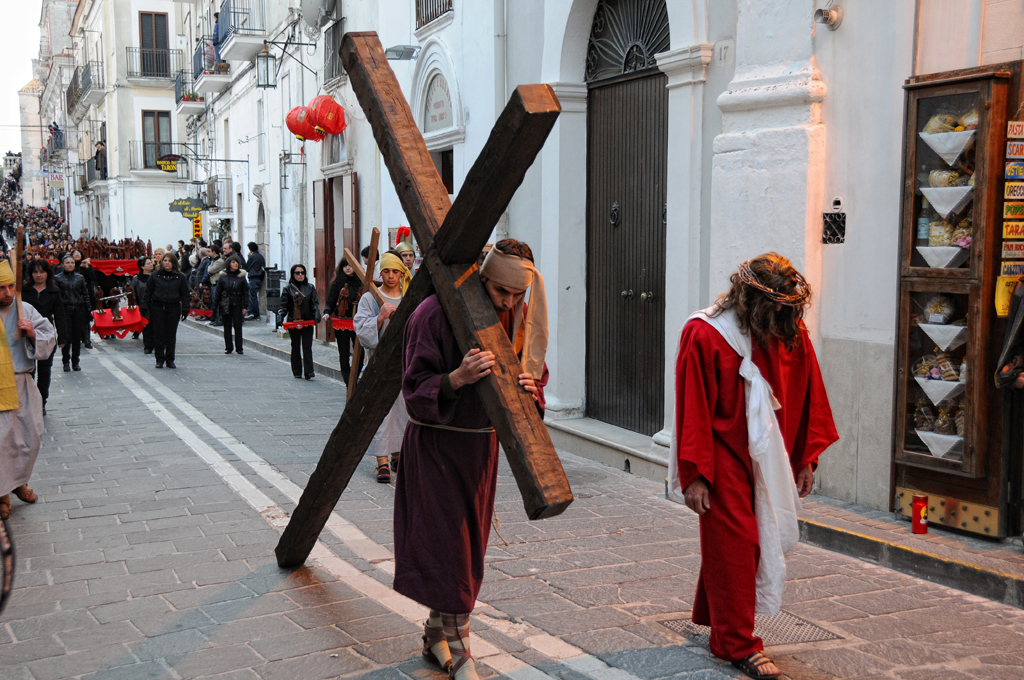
(1015, 129)
(1015, 170)
(1014, 190)
(1015, 150)
(1013, 250)
(1012, 211)
(1013, 229)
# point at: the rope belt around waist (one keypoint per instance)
(438, 426)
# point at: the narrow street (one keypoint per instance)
(163, 492)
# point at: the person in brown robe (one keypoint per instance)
(444, 499)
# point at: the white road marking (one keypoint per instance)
(483, 651)
(350, 535)
(346, 532)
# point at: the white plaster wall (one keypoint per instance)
(1003, 36)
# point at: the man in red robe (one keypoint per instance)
(444, 499)
(767, 301)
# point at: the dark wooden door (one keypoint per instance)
(627, 136)
(154, 54)
(323, 248)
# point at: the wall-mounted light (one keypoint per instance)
(402, 52)
(830, 16)
(266, 69)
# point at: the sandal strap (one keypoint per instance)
(432, 635)
(456, 665)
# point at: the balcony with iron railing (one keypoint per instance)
(74, 90)
(209, 74)
(152, 63)
(429, 10)
(143, 156)
(93, 85)
(187, 99)
(242, 29)
(333, 68)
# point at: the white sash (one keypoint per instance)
(776, 499)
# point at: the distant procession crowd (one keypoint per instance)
(217, 282)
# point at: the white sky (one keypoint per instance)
(19, 44)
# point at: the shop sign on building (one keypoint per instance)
(197, 227)
(188, 207)
(1015, 170)
(1015, 129)
(1015, 150)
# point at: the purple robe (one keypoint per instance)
(444, 498)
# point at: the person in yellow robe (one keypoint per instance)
(23, 339)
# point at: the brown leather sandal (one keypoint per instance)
(5, 506)
(25, 494)
(431, 637)
(751, 665)
(383, 473)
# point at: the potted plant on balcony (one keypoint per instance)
(192, 97)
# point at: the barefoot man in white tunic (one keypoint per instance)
(23, 339)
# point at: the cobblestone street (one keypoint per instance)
(163, 492)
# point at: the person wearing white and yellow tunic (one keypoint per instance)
(22, 341)
(370, 320)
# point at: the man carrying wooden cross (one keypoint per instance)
(445, 495)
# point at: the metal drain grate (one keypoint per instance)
(782, 629)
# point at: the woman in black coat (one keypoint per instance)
(341, 303)
(231, 297)
(139, 282)
(41, 292)
(299, 288)
(167, 297)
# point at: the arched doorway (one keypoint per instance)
(627, 168)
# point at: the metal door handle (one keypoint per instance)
(626, 294)
(644, 297)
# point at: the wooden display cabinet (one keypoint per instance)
(949, 439)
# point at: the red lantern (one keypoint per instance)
(300, 123)
(328, 115)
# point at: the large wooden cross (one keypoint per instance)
(454, 235)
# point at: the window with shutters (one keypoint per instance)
(156, 136)
(154, 48)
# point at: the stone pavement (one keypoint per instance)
(162, 493)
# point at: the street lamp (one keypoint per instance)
(402, 52)
(266, 69)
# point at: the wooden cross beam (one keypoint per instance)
(455, 235)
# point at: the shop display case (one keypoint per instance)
(949, 439)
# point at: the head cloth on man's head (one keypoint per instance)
(517, 273)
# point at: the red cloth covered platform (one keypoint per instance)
(200, 313)
(117, 267)
(291, 325)
(342, 324)
(131, 322)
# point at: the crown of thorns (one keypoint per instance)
(797, 298)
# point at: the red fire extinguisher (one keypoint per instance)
(919, 514)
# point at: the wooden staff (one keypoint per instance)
(368, 286)
(19, 253)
